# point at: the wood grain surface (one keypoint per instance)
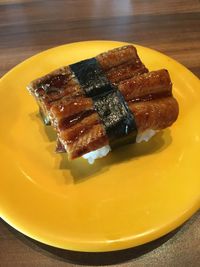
(172, 27)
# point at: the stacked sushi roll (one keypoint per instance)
(102, 102)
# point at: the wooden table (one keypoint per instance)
(172, 27)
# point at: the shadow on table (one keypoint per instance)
(92, 258)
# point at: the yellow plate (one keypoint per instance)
(136, 194)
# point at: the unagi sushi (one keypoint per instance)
(88, 77)
(103, 102)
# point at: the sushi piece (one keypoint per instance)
(85, 124)
(100, 103)
(92, 77)
(150, 117)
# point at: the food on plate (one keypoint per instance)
(102, 102)
(110, 67)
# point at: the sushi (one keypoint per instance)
(100, 103)
(113, 66)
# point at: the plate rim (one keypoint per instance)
(129, 242)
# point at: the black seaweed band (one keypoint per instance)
(108, 101)
(91, 77)
(115, 114)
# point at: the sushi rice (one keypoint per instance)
(103, 151)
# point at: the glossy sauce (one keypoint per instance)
(74, 119)
(150, 97)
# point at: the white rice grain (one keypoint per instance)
(96, 154)
(145, 136)
(103, 151)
